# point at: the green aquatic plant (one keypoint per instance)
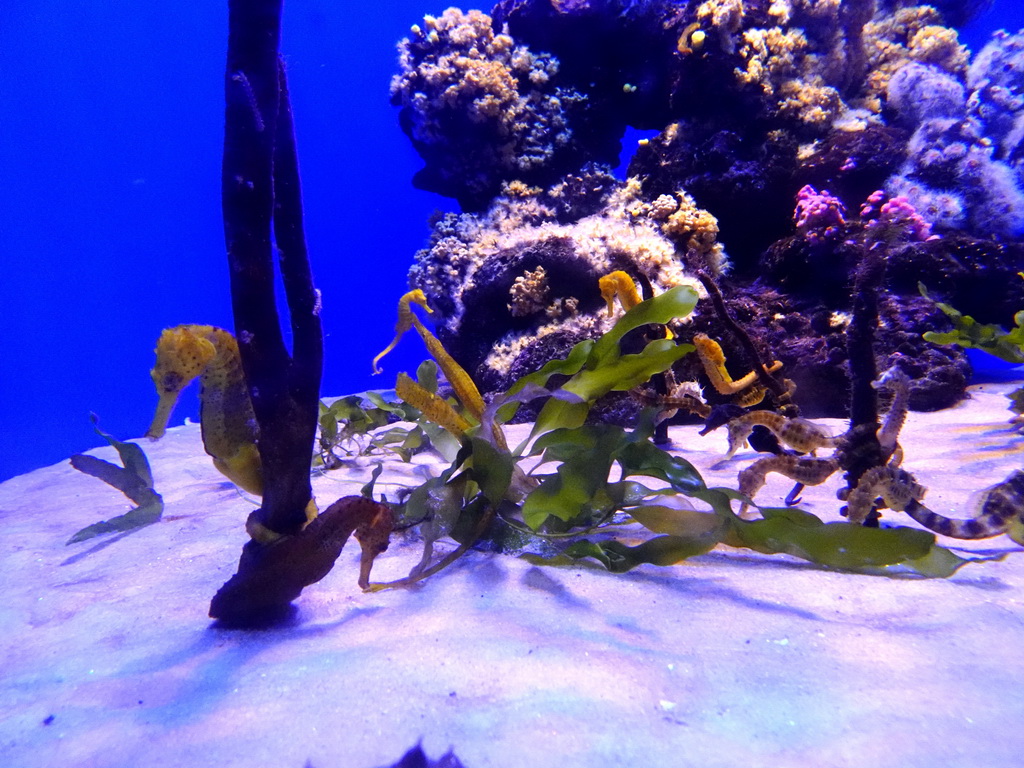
(463, 502)
(969, 333)
(869, 452)
(988, 337)
(351, 425)
(590, 479)
(133, 478)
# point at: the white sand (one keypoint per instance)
(731, 659)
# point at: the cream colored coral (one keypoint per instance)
(663, 207)
(456, 64)
(804, 62)
(504, 353)
(780, 11)
(627, 231)
(561, 307)
(517, 206)
(530, 293)
(770, 57)
(939, 46)
(695, 231)
(817, 105)
(820, 9)
(725, 15)
(891, 40)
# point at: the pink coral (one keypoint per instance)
(818, 215)
(895, 219)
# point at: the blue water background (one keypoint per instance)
(110, 220)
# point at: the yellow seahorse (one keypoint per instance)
(210, 354)
(620, 285)
(713, 359)
(464, 387)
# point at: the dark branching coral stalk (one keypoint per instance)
(779, 392)
(863, 450)
(263, 207)
(260, 187)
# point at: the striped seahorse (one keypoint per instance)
(229, 428)
(1001, 510)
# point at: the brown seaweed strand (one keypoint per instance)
(251, 138)
(296, 273)
(863, 451)
(271, 576)
(298, 412)
(482, 525)
(779, 392)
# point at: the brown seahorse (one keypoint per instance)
(801, 434)
(229, 428)
(1001, 510)
(273, 574)
(897, 488)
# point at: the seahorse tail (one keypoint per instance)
(973, 528)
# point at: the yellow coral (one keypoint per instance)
(459, 65)
(691, 39)
(695, 230)
(780, 11)
(813, 105)
(625, 234)
(818, 9)
(726, 14)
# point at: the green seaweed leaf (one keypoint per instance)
(845, 546)
(674, 303)
(491, 469)
(578, 490)
(598, 367)
(367, 489)
(437, 503)
(619, 558)
(577, 494)
(404, 441)
(968, 332)
(840, 545)
(642, 457)
(134, 479)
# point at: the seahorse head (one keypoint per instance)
(182, 353)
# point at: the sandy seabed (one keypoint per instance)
(730, 659)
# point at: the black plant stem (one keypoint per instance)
(864, 451)
(303, 298)
(769, 382)
(261, 196)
